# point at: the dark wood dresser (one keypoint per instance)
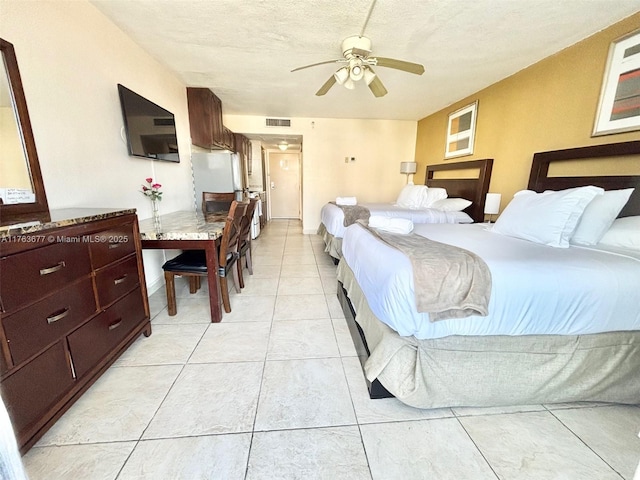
(72, 299)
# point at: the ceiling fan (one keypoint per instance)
(357, 62)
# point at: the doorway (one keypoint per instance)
(284, 184)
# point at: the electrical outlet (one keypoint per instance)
(346, 159)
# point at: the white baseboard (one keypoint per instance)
(155, 286)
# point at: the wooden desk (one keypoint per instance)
(188, 231)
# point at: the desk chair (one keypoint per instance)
(216, 205)
(244, 241)
(192, 263)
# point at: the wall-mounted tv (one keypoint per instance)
(150, 129)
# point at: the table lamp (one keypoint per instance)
(492, 204)
(408, 168)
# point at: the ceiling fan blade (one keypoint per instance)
(327, 85)
(415, 68)
(377, 88)
(316, 64)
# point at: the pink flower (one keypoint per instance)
(152, 190)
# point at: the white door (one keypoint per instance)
(284, 186)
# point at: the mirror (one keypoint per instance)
(22, 195)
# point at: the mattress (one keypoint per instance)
(536, 289)
(332, 216)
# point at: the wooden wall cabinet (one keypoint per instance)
(205, 120)
(72, 299)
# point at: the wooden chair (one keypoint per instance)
(216, 205)
(192, 263)
(244, 241)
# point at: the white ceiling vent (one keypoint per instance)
(278, 122)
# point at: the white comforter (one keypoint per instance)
(536, 289)
(332, 216)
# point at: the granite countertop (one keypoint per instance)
(183, 225)
(62, 218)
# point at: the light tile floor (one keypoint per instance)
(275, 391)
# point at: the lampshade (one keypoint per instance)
(408, 167)
(283, 145)
(356, 70)
(341, 75)
(492, 203)
(369, 75)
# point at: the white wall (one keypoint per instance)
(377, 145)
(71, 58)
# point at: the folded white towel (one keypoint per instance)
(346, 201)
(392, 225)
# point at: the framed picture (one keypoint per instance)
(619, 107)
(461, 131)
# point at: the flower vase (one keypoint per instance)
(156, 214)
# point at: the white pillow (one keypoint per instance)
(434, 194)
(624, 233)
(412, 196)
(451, 204)
(599, 215)
(549, 218)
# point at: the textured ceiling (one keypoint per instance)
(245, 50)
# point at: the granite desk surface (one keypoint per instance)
(182, 225)
(63, 217)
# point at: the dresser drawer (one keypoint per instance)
(116, 280)
(97, 338)
(36, 387)
(33, 327)
(111, 245)
(31, 275)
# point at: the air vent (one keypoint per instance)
(278, 122)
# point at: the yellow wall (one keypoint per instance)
(548, 106)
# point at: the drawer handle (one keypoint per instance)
(120, 280)
(54, 269)
(54, 318)
(114, 245)
(115, 325)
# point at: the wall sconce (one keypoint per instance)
(408, 168)
(492, 204)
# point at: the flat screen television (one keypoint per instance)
(150, 129)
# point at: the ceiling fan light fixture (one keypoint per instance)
(369, 75)
(356, 69)
(349, 84)
(342, 75)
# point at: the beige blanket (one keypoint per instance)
(449, 282)
(353, 213)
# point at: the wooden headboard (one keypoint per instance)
(473, 189)
(540, 181)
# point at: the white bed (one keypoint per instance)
(563, 323)
(474, 189)
(332, 216)
(591, 290)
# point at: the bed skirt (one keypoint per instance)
(333, 245)
(497, 370)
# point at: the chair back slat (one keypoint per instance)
(214, 202)
(247, 220)
(231, 232)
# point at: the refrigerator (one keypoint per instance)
(218, 172)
